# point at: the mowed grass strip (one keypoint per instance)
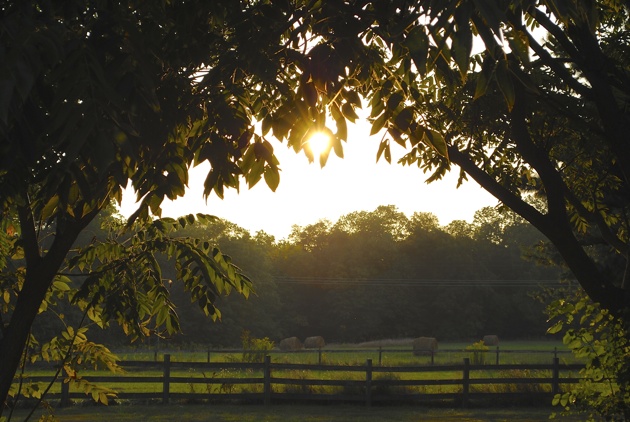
(296, 413)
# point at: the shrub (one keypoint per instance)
(255, 349)
(603, 340)
(478, 355)
(386, 389)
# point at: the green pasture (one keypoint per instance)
(390, 355)
(449, 353)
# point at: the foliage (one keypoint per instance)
(126, 284)
(523, 113)
(255, 349)
(600, 338)
(96, 96)
(355, 280)
(118, 278)
(100, 94)
(478, 355)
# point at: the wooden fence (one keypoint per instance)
(494, 355)
(268, 382)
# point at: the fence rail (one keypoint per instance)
(494, 354)
(268, 382)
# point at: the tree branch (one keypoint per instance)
(556, 66)
(29, 235)
(537, 158)
(511, 200)
(595, 217)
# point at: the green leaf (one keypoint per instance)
(381, 148)
(556, 400)
(394, 100)
(387, 154)
(337, 146)
(255, 174)
(461, 47)
(519, 44)
(310, 94)
(505, 83)
(266, 124)
(348, 111)
(556, 328)
(379, 123)
(484, 76)
(490, 13)
(272, 177)
(342, 128)
(352, 97)
(437, 141)
(417, 42)
(323, 157)
(559, 9)
(404, 119)
(50, 208)
(60, 285)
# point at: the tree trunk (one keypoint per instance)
(12, 345)
(40, 273)
(558, 232)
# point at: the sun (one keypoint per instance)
(319, 143)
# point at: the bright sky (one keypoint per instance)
(308, 193)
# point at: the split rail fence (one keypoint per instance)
(268, 382)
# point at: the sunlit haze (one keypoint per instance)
(318, 143)
(308, 193)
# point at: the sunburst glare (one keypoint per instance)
(319, 143)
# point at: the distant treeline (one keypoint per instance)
(373, 275)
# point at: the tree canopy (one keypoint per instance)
(362, 278)
(99, 95)
(526, 97)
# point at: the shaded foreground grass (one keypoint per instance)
(301, 413)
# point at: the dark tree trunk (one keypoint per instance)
(12, 345)
(40, 273)
(559, 233)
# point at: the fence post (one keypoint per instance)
(208, 355)
(167, 378)
(555, 378)
(497, 355)
(465, 382)
(368, 382)
(267, 381)
(65, 393)
(380, 355)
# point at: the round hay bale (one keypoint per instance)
(424, 346)
(289, 344)
(491, 340)
(316, 342)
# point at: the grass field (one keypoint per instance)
(393, 353)
(295, 413)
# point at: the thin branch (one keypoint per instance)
(21, 383)
(554, 63)
(522, 208)
(61, 365)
